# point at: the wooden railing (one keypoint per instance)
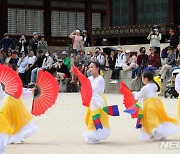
(130, 30)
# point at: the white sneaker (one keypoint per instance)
(112, 81)
(116, 81)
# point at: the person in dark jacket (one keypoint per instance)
(112, 60)
(7, 43)
(23, 44)
(171, 61)
(174, 41)
(34, 42)
(142, 61)
(86, 39)
(62, 71)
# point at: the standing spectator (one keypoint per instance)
(155, 38)
(174, 41)
(4, 55)
(34, 42)
(86, 39)
(171, 61)
(120, 60)
(30, 67)
(154, 61)
(142, 61)
(38, 64)
(100, 58)
(66, 60)
(9, 56)
(112, 60)
(42, 44)
(23, 44)
(7, 43)
(76, 37)
(131, 61)
(22, 65)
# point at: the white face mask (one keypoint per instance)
(46, 54)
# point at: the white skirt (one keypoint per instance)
(161, 132)
(3, 142)
(93, 137)
(25, 132)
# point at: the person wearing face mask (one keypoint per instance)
(155, 38)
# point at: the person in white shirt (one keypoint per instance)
(155, 38)
(120, 60)
(30, 67)
(22, 65)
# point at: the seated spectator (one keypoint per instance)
(4, 56)
(142, 61)
(62, 71)
(66, 60)
(154, 61)
(171, 61)
(120, 60)
(14, 58)
(79, 63)
(22, 65)
(131, 61)
(9, 56)
(100, 57)
(31, 65)
(38, 64)
(112, 60)
(47, 62)
(23, 44)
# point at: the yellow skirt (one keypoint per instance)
(103, 117)
(179, 107)
(4, 125)
(15, 113)
(154, 114)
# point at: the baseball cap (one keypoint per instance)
(153, 48)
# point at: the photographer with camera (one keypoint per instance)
(155, 38)
(22, 44)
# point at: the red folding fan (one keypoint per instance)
(10, 80)
(45, 94)
(129, 100)
(86, 88)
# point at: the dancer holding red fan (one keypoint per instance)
(97, 119)
(13, 110)
(153, 121)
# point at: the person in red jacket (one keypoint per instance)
(154, 61)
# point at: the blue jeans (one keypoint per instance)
(151, 68)
(34, 74)
(136, 72)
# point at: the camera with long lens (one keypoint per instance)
(155, 29)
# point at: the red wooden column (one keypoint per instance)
(173, 11)
(3, 18)
(88, 17)
(132, 12)
(108, 13)
(47, 20)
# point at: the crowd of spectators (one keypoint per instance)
(33, 56)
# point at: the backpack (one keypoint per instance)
(71, 87)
